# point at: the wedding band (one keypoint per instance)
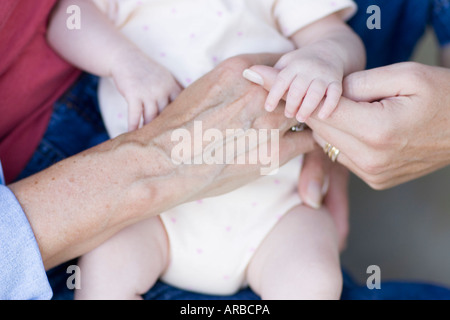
(332, 152)
(299, 128)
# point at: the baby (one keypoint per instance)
(259, 235)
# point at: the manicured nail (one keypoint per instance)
(314, 195)
(326, 186)
(252, 76)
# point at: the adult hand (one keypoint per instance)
(392, 125)
(321, 181)
(80, 202)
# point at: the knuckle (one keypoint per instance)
(373, 165)
(232, 67)
(296, 91)
(380, 137)
(415, 72)
(336, 87)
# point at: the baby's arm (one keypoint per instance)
(327, 51)
(99, 48)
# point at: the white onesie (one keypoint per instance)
(212, 241)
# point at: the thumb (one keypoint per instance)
(377, 84)
(262, 75)
(314, 178)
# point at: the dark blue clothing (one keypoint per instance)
(76, 125)
(403, 23)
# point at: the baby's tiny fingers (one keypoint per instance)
(278, 90)
(162, 103)
(175, 92)
(150, 112)
(295, 96)
(334, 93)
(134, 114)
(314, 96)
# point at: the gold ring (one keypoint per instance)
(332, 152)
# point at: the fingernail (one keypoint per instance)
(252, 76)
(314, 195)
(326, 186)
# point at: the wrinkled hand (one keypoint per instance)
(147, 86)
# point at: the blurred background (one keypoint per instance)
(404, 230)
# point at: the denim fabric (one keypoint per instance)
(403, 23)
(75, 125)
(352, 290)
(22, 274)
(441, 21)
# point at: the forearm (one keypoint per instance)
(80, 202)
(334, 40)
(92, 48)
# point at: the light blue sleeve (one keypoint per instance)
(22, 273)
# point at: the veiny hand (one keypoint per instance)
(146, 85)
(307, 76)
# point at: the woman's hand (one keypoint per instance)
(399, 127)
(391, 126)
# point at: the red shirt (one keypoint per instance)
(32, 78)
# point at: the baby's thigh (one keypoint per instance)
(135, 257)
(299, 251)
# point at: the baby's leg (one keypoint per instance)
(299, 259)
(127, 265)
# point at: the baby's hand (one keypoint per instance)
(146, 85)
(306, 78)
